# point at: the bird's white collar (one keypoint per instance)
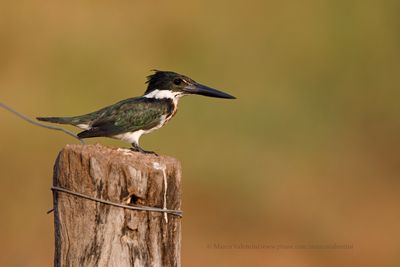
(160, 94)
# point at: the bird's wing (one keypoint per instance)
(128, 116)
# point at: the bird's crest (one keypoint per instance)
(160, 80)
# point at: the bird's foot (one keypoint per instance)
(137, 148)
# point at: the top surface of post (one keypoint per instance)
(119, 155)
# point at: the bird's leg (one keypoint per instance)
(137, 148)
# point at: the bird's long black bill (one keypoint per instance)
(200, 89)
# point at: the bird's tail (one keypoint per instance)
(60, 120)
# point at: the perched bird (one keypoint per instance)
(129, 119)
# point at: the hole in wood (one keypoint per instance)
(133, 199)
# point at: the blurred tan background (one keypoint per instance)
(307, 154)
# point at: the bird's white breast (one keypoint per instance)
(133, 137)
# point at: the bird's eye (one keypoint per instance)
(177, 81)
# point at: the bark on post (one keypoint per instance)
(89, 233)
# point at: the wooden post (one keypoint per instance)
(89, 233)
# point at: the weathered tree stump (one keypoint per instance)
(89, 233)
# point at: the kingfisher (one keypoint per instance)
(129, 119)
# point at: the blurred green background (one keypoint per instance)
(307, 154)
